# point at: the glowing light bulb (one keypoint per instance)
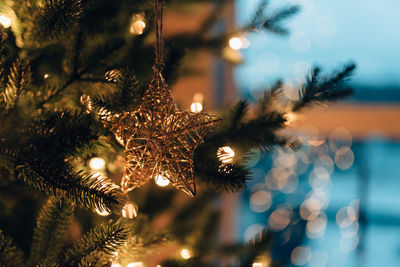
(137, 25)
(225, 154)
(135, 264)
(257, 264)
(235, 43)
(102, 212)
(196, 107)
(46, 75)
(291, 118)
(130, 210)
(97, 163)
(5, 21)
(161, 180)
(186, 254)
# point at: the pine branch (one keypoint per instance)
(271, 98)
(19, 80)
(105, 238)
(272, 22)
(10, 256)
(57, 17)
(227, 177)
(127, 96)
(51, 228)
(260, 132)
(86, 190)
(322, 90)
(258, 16)
(64, 134)
(97, 259)
(238, 112)
(142, 240)
(48, 263)
(257, 246)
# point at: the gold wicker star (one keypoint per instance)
(159, 139)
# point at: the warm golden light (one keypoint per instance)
(161, 180)
(315, 142)
(102, 212)
(46, 75)
(5, 21)
(111, 75)
(114, 264)
(232, 55)
(257, 264)
(137, 25)
(186, 254)
(290, 118)
(237, 43)
(198, 97)
(130, 210)
(135, 264)
(196, 107)
(225, 154)
(97, 163)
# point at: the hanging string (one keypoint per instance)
(158, 23)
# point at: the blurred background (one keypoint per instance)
(335, 202)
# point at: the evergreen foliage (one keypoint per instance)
(51, 229)
(273, 22)
(104, 238)
(9, 255)
(322, 90)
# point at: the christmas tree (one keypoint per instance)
(87, 123)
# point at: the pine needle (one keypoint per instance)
(105, 238)
(51, 228)
(10, 256)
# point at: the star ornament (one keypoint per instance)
(159, 139)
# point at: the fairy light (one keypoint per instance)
(97, 163)
(138, 25)
(135, 264)
(196, 107)
(225, 154)
(46, 76)
(161, 180)
(130, 210)
(186, 254)
(237, 43)
(5, 21)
